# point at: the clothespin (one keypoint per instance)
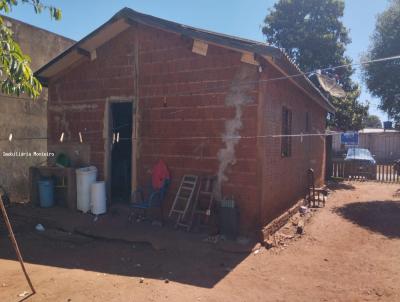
(117, 137)
(113, 138)
(301, 137)
(10, 137)
(80, 137)
(62, 137)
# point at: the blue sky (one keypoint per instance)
(242, 18)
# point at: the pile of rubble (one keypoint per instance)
(292, 230)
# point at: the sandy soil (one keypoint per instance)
(349, 252)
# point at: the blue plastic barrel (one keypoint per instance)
(46, 193)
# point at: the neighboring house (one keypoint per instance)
(203, 102)
(23, 117)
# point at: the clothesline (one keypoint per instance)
(222, 137)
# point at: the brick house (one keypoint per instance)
(203, 102)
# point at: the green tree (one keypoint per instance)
(382, 78)
(312, 33)
(16, 75)
(349, 112)
(372, 121)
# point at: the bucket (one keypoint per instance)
(46, 193)
(84, 179)
(98, 198)
(229, 219)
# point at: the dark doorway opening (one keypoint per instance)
(121, 154)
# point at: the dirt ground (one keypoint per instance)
(349, 252)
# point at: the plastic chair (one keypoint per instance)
(154, 198)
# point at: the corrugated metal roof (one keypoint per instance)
(125, 17)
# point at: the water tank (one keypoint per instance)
(98, 203)
(85, 177)
(46, 193)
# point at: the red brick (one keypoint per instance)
(194, 88)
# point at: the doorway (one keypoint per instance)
(121, 151)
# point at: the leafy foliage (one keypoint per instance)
(372, 121)
(16, 76)
(349, 112)
(312, 33)
(382, 78)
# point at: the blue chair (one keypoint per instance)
(154, 200)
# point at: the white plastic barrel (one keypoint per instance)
(84, 179)
(98, 198)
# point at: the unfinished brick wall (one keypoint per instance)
(284, 179)
(186, 101)
(183, 97)
(182, 105)
(77, 98)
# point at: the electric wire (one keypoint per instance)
(249, 83)
(219, 86)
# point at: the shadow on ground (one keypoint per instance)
(377, 216)
(183, 258)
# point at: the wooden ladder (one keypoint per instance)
(183, 199)
(204, 201)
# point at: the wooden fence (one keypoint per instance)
(384, 172)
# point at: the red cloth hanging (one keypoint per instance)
(159, 174)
